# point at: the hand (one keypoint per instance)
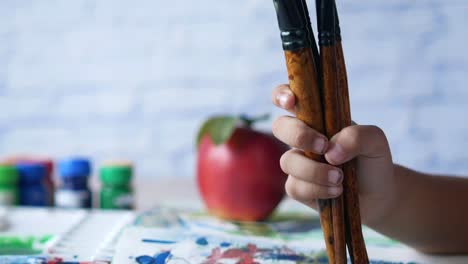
(310, 180)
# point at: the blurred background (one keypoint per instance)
(135, 79)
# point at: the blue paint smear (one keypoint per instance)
(201, 241)
(145, 259)
(286, 257)
(157, 241)
(161, 258)
(224, 244)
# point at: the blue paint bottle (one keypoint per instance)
(74, 191)
(32, 189)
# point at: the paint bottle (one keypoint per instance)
(49, 165)
(32, 190)
(116, 192)
(74, 191)
(8, 185)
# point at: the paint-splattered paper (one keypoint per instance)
(158, 246)
(183, 236)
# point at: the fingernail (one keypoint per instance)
(334, 176)
(335, 154)
(334, 191)
(283, 99)
(319, 145)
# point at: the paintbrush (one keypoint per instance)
(302, 62)
(354, 239)
(332, 108)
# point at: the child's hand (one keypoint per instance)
(309, 180)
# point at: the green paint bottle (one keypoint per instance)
(8, 185)
(116, 191)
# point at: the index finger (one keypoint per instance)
(283, 97)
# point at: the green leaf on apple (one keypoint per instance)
(219, 128)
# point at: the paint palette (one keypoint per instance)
(60, 234)
(29, 230)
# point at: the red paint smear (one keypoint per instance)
(245, 255)
(57, 260)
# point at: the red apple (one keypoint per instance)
(238, 171)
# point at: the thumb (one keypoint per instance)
(357, 140)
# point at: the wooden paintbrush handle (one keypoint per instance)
(304, 83)
(355, 239)
(332, 111)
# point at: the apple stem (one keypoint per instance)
(248, 121)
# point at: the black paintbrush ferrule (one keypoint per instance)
(294, 24)
(337, 25)
(326, 22)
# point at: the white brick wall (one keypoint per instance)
(134, 79)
